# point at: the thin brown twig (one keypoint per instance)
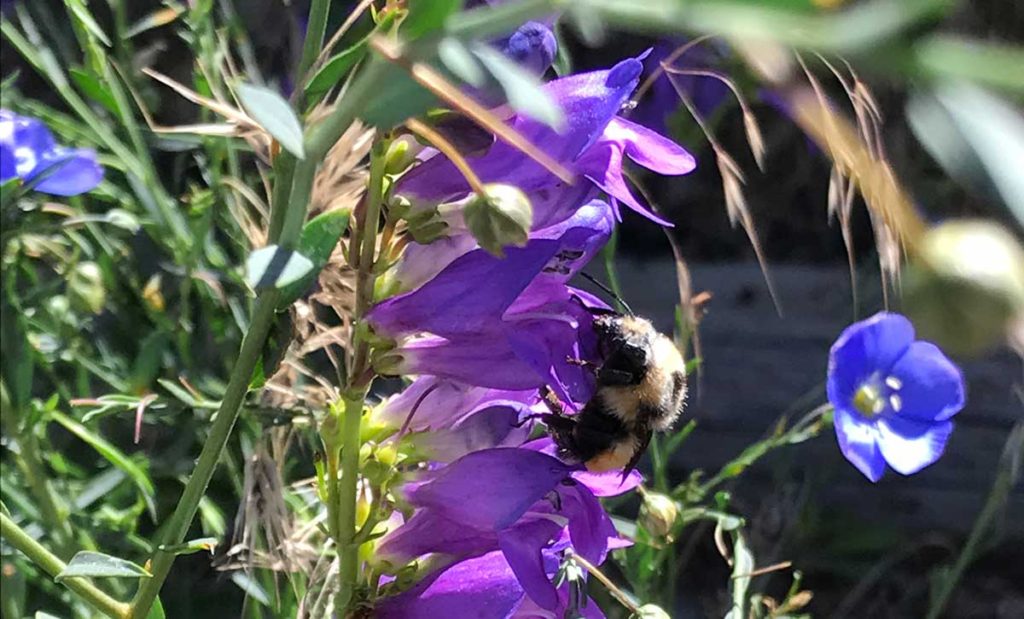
(448, 149)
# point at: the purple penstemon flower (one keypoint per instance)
(592, 145)
(504, 323)
(521, 502)
(29, 152)
(893, 396)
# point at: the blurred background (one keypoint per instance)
(863, 549)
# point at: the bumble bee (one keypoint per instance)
(641, 389)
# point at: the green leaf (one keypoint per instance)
(191, 546)
(251, 587)
(426, 16)
(742, 566)
(525, 93)
(17, 356)
(457, 58)
(400, 98)
(157, 611)
(85, 18)
(275, 267)
(98, 565)
(319, 237)
(274, 114)
(93, 88)
(113, 455)
(335, 69)
(160, 17)
(976, 137)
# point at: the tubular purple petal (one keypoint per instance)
(522, 546)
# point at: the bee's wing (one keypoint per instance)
(643, 439)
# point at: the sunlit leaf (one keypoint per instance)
(319, 238)
(275, 267)
(274, 114)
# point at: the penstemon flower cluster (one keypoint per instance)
(494, 515)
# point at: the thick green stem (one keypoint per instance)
(52, 565)
(315, 30)
(227, 414)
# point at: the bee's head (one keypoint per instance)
(625, 334)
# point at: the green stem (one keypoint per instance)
(227, 414)
(348, 549)
(315, 30)
(1008, 471)
(284, 169)
(52, 565)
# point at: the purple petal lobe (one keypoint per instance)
(931, 387)
(67, 172)
(602, 164)
(493, 425)
(427, 532)
(858, 440)
(649, 149)
(590, 528)
(484, 359)
(522, 546)
(490, 489)
(865, 348)
(484, 587)
(908, 445)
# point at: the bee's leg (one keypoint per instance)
(583, 363)
(551, 401)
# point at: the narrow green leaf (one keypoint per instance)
(191, 547)
(274, 114)
(113, 455)
(93, 88)
(525, 93)
(85, 18)
(98, 565)
(17, 355)
(160, 17)
(427, 16)
(275, 267)
(331, 74)
(251, 587)
(319, 238)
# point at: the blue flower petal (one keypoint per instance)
(67, 172)
(908, 445)
(858, 440)
(931, 386)
(865, 348)
(7, 168)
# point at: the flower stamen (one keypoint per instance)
(868, 401)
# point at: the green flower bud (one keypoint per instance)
(658, 513)
(967, 286)
(500, 219)
(400, 156)
(85, 288)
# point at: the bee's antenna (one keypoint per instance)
(609, 291)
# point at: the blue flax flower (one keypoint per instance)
(893, 396)
(29, 152)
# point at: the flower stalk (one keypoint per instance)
(52, 565)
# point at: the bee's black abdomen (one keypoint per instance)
(597, 430)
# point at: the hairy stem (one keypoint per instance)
(52, 565)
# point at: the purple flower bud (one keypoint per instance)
(533, 46)
(893, 396)
(29, 152)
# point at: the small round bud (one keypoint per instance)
(85, 287)
(658, 514)
(503, 217)
(400, 156)
(967, 286)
